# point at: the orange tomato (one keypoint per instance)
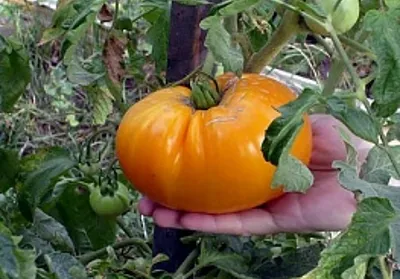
(207, 161)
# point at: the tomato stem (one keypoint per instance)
(288, 28)
(204, 96)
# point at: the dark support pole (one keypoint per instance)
(186, 52)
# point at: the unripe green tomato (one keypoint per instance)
(343, 19)
(89, 169)
(110, 205)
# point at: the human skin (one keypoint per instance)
(326, 206)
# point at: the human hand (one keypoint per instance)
(326, 205)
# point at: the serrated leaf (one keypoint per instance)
(349, 179)
(65, 266)
(368, 234)
(359, 269)
(40, 181)
(232, 263)
(293, 175)
(16, 263)
(157, 36)
(31, 239)
(15, 75)
(79, 76)
(384, 37)
(281, 130)
(101, 100)
(378, 168)
(292, 264)
(218, 41)
(9, 168)
(358, 121)
(87, 230)
(238, 6)
(47, 228)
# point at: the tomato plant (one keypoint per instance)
(202, 106)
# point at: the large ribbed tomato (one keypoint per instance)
(206, 160)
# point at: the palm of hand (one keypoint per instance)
(326, 205)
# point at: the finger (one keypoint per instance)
(146, 206)
(252, 222)
(167, 218)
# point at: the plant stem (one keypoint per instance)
(383, 139)
(338, 45)
(390, 154)
(357, 46)
(123, 227)
(192, 271)
(334, 76)
(115, 17)
(287, 29)
(188, 261)
(186, 78)
(88, 257)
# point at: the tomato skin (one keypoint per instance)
(110, 205)
(207, 161)
(343, 19)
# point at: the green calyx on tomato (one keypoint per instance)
(109, 202)
(342, 19)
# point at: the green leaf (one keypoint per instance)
(31, 239)
(15, 75)
(79, 76)
(65, 266)
(51, 34)
(368, 234)
(378, 168)
(47, 228)
(102, 102)
(358, 121)
(392, 3)
(232, 263)
(219, 42)
(292, 175)
(394, 133)
(359, 269)
(349, 179)
(238, 6)
(384, 38)
(292, 264)
(15, 263)
(49, 167)
(157, 36)
(87, 230)
(384, 110)
(281, 131)
(9, 168)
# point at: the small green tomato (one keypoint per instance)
(110, 204)
(343, 19)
